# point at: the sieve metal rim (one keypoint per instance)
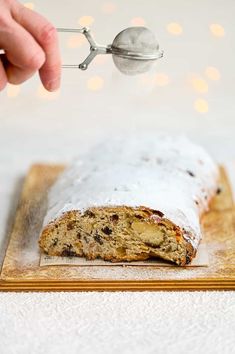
(124, 53)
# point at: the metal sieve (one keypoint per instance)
(134, 50)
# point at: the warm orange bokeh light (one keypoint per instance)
(109, 7)
(174, 28)
(138, 21)
(201, 105)
(95, 83)
(101, 59)
(86, 20)
(161, 79)
(217, 30)
(76, 41)
(13, 90)
(212, 73)
(29, 5)
(199, 85)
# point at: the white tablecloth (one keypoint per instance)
(35, 126)
(200, 322)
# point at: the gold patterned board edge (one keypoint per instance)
(21, 269)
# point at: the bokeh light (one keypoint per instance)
(86, 21)
(29, 5)
(201, 105)
(217, 30)
(101, 59)
(138, 21)
(109, 7)
(95, 83)
(13, 90)
(76, 41)
(174, 28)
(161, 79)
(199, 84)
(43, 93)
(212, 73)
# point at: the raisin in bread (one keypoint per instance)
(131, 199)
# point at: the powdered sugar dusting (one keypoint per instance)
(159, 172)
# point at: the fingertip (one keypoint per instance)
(51, 77)
(52, 85)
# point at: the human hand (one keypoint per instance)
(30, 44)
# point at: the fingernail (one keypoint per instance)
(53, 85)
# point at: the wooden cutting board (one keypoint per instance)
(21, 269)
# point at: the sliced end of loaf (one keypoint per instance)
(116, 234)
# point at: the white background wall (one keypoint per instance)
(43, 126)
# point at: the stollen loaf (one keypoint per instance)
(131, 199)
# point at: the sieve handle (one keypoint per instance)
(95, 48)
